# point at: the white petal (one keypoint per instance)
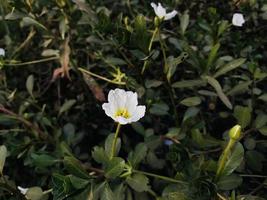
(109, 109)
(131, 101)
(160, 11)
(120, 97)
(238, 19)
(138, 114)
(122, 120)
(23, 190)
(154, 6)
(2, 52)
(170, 15)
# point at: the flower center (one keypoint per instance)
(122, 112)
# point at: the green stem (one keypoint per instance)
(100, 77)
(114, 143)
(149, 48)
(160, 177)
(224, 157)
(31, 62)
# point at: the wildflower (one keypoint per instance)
(23, 190)
(122, 106)
(238, 19)
(161, 12)
(2, 52)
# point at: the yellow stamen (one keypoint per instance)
(122, 112)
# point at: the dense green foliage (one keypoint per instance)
(197, 74)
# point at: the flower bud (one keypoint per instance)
(235, 132)
(157, 21)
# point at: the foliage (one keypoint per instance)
(197, 75)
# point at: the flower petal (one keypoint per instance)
(109, 109)
(2, 52)
(238, 19)
(122, 120)
(154, 6)
(170, 15)
(138, 113)
(160, 11)
(120, 97)
(131, 101)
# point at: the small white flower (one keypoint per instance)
(238, 19)
(122, 106)
(161, 12)
(23, 190)
(2, 52)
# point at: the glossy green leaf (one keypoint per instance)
(229, 67)
(3, 155)
(191, 101)
(242, 115)
(66, 106)
(138, 182)
(114, 167)
(136, 156)
(189, 83)
(229, 182)
(216, 85)
(108, 145)
(233, 161)
(184, 22)
(30, 84)
(74, 167)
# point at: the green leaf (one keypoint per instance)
(28, 21)
(263, 130)
(74, 167)
(229, 67)
(66, 106)
(254, 160)
(43, 160)
(78, 183)
(107, 193)
(3, 154)
(34, 193)
(242, 115)
(108, 145)
(62, 186)
(191, 101)
(216, 85)
(159, 109)
(172, 64)
(114, 167)
(30, 84)
(136, 156)
(190, 113)
(234, 160)
(152, 83)
(212, 55)
(189, 84)
(100, 155)
(138, 127)
(229, 182)
(138, 182)
(239, 88)
(184, 22)
(260, 121)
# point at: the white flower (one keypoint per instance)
(238, 19)
(122, 106)
(161, 12)
(23, 190)
(2, 52)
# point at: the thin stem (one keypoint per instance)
(114, 143)
(160, 177)
(252, 175)
(149, 48)
(224, 157)
(163, 52)
(31, 62)
(100, 77)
